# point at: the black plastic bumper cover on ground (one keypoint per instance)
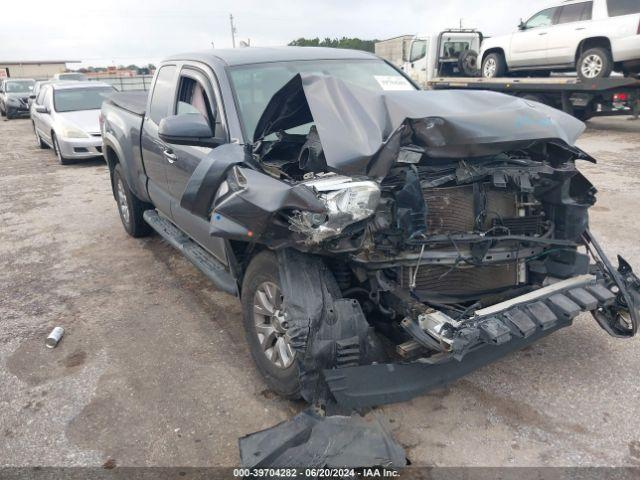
(366, 386)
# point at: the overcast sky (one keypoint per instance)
(106, 32)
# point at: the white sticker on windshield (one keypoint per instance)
(393, 82)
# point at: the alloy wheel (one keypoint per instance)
(56, 149)
(123, 206)
(271, 325)
(592, 66)
(490, 68)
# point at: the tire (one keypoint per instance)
(39, 142)
(130, 207)
(468, 63)
(2, 112)
(594, 63)
(283, 379)
(56, 149)
(583, 114)
(494, 65)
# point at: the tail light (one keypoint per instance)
(620, 97)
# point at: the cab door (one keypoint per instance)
(197, 94)
(529, 45)
(156, 154)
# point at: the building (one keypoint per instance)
(38, 69)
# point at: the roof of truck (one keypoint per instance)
(249, 55)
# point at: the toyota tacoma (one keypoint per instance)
(383, 240)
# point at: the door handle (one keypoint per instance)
(581, 28)
(169, 155)
(543, 33)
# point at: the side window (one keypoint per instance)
(418, 50)
(192, 98)
(161, 99)
(195, 97)
(48, 98)
(40, 97)
(623, 7)
(575, 12)
(542, 19)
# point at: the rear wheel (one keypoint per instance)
(494, 65)
(39, 142)
(594, 63)
(265, 326)
(130, 207)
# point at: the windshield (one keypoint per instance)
(254, 85)
(75, 99)
(20, 87)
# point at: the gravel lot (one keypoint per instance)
(154, 370)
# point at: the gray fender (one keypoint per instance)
(137, 184)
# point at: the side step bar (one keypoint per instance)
(206, 263)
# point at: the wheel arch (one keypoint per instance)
(592, 42)
(491, 50)
(112, 159)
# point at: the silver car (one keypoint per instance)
(66, 118)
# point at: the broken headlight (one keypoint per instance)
(347, 201)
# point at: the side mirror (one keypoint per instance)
(522, 25)
(190, 129)
(41, 109)
(32, 96)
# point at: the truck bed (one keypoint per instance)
(132, 102)
(123, 117)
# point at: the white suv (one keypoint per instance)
(592, 37)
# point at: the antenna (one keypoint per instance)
(233, 31)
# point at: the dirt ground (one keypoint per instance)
(154, 370)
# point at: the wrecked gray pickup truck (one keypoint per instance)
(383, 240)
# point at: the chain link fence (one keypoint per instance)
(126, 84)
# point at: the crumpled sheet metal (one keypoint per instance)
(251, 207)
(309, 440)
(325, 330)
(206, 179)
(362, 130)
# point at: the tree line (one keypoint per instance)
(343, 42)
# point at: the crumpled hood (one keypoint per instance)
(362, 131)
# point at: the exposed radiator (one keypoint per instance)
(465, 279)
(453, 210)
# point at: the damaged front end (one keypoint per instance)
(420, 235)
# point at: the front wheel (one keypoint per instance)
(265, 326)
(56, 149)
(494, 65)
(594, 63)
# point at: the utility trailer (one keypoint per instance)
(584, 100)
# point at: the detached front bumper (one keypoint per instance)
(486, 336)
(80, 148)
